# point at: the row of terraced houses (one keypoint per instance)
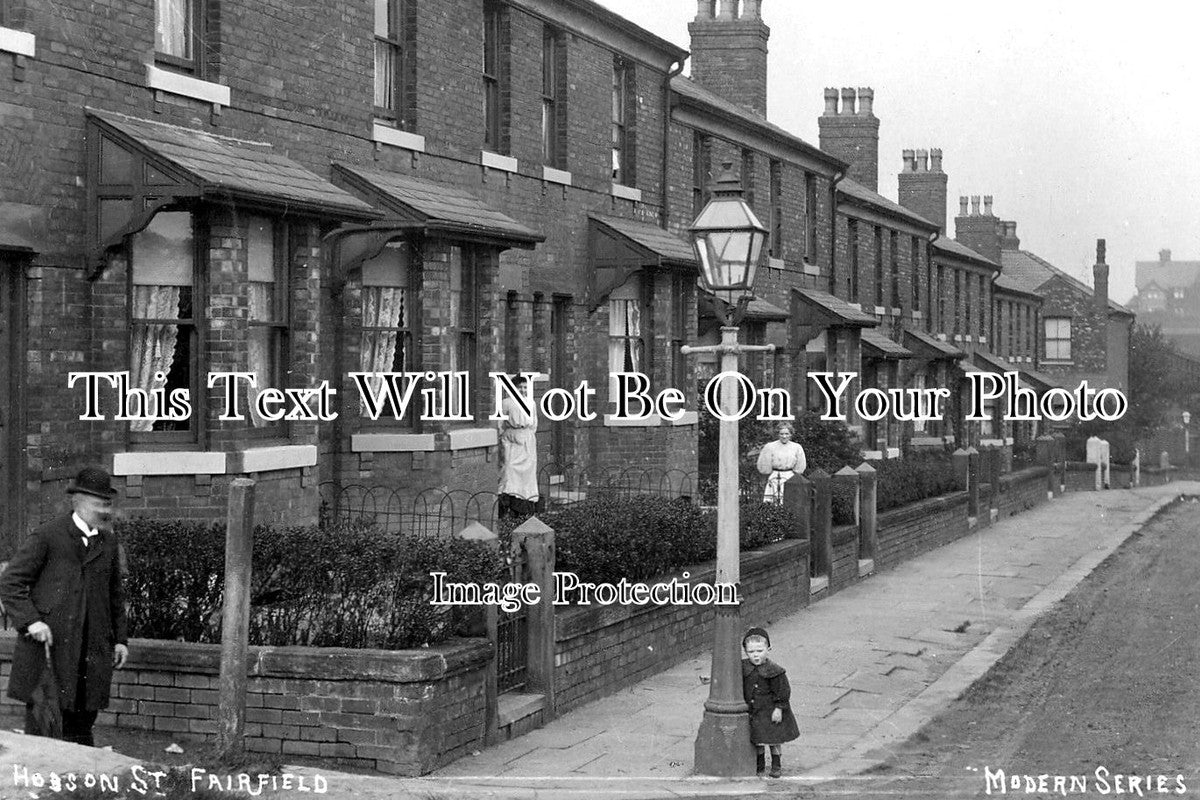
(301, 192)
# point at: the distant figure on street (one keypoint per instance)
(780, 460)
(767, 691)
(518, 458)
(63, 591)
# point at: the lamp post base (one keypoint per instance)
(723, 745)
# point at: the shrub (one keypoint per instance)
(345, 585)
(764, 523)
(913, 478)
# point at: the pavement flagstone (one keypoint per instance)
(869, 666)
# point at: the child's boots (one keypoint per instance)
(776, 765)
(760, 761)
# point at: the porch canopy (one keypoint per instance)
(417, 206)
(136, 167)
(619, 248)
(1035, 380)
(929, 347)
(876, 345)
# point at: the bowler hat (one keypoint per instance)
(756, 632)
(94, 481)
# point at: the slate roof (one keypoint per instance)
(885, 346)
(1167, 274)
(22, 227)
(995, 363)
(929, 340)
(664, 244)
(960, 250)
(439, 206)
(225, 166)
(760, 309)
(1028, 269)
(861, 193)
(839, 308)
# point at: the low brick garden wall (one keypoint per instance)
(916, 528)
(1022, 490)
(604, 648)
(404, 712)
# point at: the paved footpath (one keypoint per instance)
(868, 666)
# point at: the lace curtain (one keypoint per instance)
(625, 336)
(384, 310)
(172, 19)
(154, 343)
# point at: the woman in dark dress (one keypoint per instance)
(766, 689)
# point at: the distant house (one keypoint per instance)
(1168, 295)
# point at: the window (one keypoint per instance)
(701, 171)
(929, 302)
(941, 298)
(878, 265)
(679, 306)
(1057, 338)
(464, 320)
(554, 153)
(810, 217)
(266, 268)
(1013, 327)
(387, 314)
(776, 243)
(967, 279)
(623, 97)
(179, 34)
(852, 234)
(163, 342)
(915, 263)
(625, 345)
(894, 251)
(957, 310)
(394, 76)
(748, 176)
(493, 112)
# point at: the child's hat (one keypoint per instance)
(756, 632)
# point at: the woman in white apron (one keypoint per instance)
(780, 460)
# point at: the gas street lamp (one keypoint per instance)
(729, 242)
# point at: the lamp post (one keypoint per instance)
(729, 241)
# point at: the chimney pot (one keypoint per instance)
(1100, 251)
(728, 9)
(935, 160)
(831, 102)
(962, 205)
(1164, 255)
(751, 9)
(987, 205)
(974, 205)
(922, 161)
(866, 101)
(704, 9)
(848, 101)
(909, 158)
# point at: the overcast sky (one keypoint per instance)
(1081, 119)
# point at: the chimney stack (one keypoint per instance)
(1100, 279)
(982, 232)
(922, 186)
(729, 51)
(852, 133)
(962, 205)
(1164, 255)
(1009, 240)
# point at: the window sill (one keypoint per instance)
(386, 134)
(169, 462)
(811, 269)
(186, 86)
(776, 263)
(20, 43)
(626, 192)
(473, 438)
(652, 421)
(560, 176)
(497, 161)
(1047, 362)
(270, 459)
(918, 315)
(393, 443)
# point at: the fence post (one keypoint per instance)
(962, 468)
(537, 538)
(822, 524)
(994, 456)
(1060, 450)
(868, 482)
(972, 485)
(1137, 468)
(235, 617)
(479, 532)
(797, 498)
(1045, 458)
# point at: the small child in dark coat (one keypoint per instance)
(766, 689)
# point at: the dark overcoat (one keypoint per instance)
(765, 689)
(75, 590)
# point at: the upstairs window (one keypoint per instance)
(878, 266)
(852, 234)
(623, 105)
(394, 77)
(493, 65)
(701, 171)
(1057, 338)
(163, 345)
(553, 99)
(776, 241)
(178, 34)
(810, 218)
(748, 176)
(894, 252)
(915, 265)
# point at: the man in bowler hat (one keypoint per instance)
(63, 588)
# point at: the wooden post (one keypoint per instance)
(962, 468)
(537, 538)
(822, 524)
(868, 482)
(993, 456)
(489, 621)
(1045, 458)
(973, 483)
(235, 618)
(1060, 450)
